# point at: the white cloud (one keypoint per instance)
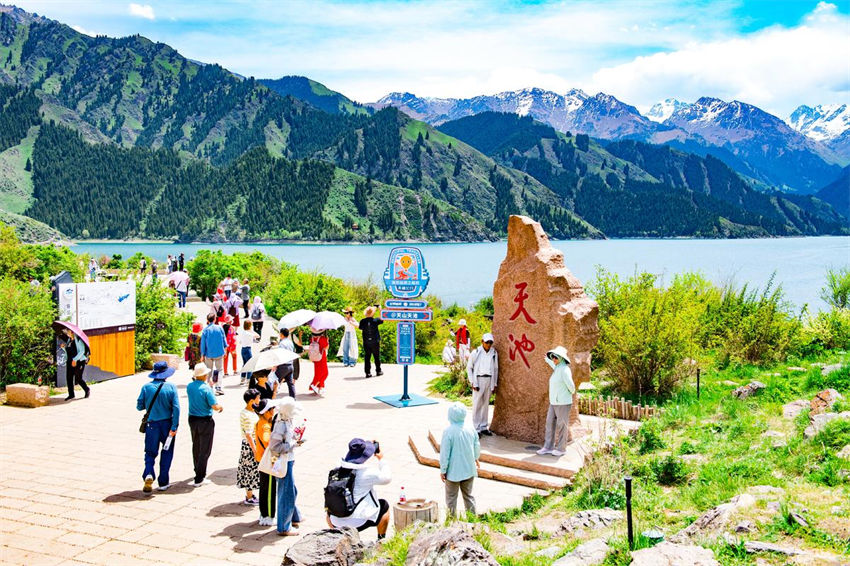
(142, 11)
(83, 30)
(777, 68)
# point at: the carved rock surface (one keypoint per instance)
(538, 304)
(670, 554)
(328, 547)
(824, 401)
(451, 546)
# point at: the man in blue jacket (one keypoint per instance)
(160, 398)
(213, 347)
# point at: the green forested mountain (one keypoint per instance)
(631, 188)
(837, 193)
(316, 94)
(134, 140)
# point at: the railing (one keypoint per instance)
(616, 408)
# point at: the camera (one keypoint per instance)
(377, 446)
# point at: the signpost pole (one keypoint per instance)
(405, 396)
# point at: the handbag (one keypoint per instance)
(144, 424)
(272, 465)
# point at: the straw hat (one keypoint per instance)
(201, 370)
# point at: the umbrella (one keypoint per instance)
(178, 276)
(59, 325)
(296, 318)
(268, 359)
(327, 320)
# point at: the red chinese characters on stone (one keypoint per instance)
(519, 299)
(520, 347)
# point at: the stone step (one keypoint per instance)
(426, 455)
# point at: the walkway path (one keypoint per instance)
(70, 473)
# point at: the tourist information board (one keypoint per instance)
(406, 278)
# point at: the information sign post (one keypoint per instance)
(406, 279)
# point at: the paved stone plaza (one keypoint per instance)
(70, 473)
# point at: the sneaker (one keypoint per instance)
(252, 501)
(69, 397)
(557, 453)
(321, 391)
(88, 393)
(486, 432)
(544, 451)
(379, 372)
(204, 481)
(148, 484)
(314, 389)
(368, 375)
(163, 487)
(218, 391)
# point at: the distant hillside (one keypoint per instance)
(631, 188)
(837, 193)
(315, 93)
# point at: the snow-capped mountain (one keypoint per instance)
(823, 122)
(601, 115)
(660, 111)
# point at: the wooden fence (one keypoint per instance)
(616, 408)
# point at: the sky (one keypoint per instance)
(776, 54)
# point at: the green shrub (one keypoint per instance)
(826, 330)
(836, 292)
(835, 434)
(669, 470)
(646, 332)
(26, 337)
(649, 437)
(33, 261)
(159, 326)
(208, 268)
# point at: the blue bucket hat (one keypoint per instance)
(359, 451)
(161, 371)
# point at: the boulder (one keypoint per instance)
(796, 369)
(826, 370)
(824, 401)
(794, 408)
(328, 547)
(548, 552)
(765, 490)
(27, 395)
(748, 390)
(590, 553)
(713, 521)
(755, 546)
(745, 527)
(671, 554)
(818, 422)
(173, 360)
(451, 546)
(593, 519)
(844, 453)
(537, 305)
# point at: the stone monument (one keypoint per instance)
(538, 304)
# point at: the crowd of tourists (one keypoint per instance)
(272, 424)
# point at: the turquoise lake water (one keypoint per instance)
(463, 273)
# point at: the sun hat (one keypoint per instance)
(161, 371)
(287, 407)
(370, 310)
(348, 310)
(196, 327)
(487, 338)
(265, 405)
(559, 351)
(359, 451)
(201, 370)
(462, 322)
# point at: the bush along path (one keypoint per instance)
(724, 479)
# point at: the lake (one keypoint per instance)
(464, 273)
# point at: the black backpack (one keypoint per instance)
(339, 493)
(219, 312)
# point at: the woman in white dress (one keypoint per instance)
(348, 345)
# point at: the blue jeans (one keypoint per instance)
(247, 354)
(287, 511)
(346, 344)
(156, 434)
(181, 299)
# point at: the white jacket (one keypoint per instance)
(366, 478)
(473, 366)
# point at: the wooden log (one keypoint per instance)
(487, 474)
(407, 513)
(512, 463)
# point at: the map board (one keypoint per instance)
(95, 306)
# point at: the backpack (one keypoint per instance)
(314, 352)
(219, 311)
(232, 311)
(256, 313)
(339, 493)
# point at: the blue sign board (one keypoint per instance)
(405, 276)
(424, 315)
(406, 340)
(402, 304)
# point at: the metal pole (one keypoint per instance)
(698, 373)
(405, 396)
(629, 512)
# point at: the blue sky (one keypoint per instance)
(773, 53)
